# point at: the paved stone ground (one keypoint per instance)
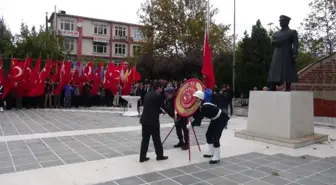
(246, 169)
(45, 152)
(19, 122)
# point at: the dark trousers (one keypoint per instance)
(181, 125)
(108, 98)
(147, 132)
(19, 102)
(215, 130)
(67, 101)
(57, 101)
(1, 102)
(87, 100)
(76, 101)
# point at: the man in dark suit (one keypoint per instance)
(150, 121)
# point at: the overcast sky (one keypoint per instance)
(32, 12)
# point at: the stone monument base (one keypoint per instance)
(281, 118)
(289, 143)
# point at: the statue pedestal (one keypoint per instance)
(281, 118)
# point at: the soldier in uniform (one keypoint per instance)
(218, 122)
(286, 44)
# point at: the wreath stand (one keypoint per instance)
(199, 148)
(185, 105)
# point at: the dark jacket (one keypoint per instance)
(153, 102)
(208, 110)
(138, 91)
(230, 95)
(86, 89)
(170, 107)
(223, 99)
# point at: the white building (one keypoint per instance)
(96, 38)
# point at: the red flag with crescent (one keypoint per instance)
(88, 71)
(16, 73)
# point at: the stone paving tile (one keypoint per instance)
(48, 152)
(307, 181)
(237, 174)
(165, 182)
(323, 179)
(31, 121)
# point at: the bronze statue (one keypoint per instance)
(286, 44)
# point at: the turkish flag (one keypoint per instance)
(45, 73)
(135, 75)
(24, 85)
(35, 73)
(111, 77)
(65, 77)
(124, 65)
(88, 71)
(57, 71)
(27, 69)
(16, 72)
(76, 77)
(96, 80)
(207, 68)
(38, 89)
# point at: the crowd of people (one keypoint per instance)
(74, 96)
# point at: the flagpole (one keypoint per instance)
(208, 17)
(234, 49)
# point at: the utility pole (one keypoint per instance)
(46, 22)
(234, 50)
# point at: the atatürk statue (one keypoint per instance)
(282, 69)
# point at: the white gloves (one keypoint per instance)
(188, 125)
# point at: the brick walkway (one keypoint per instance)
(246, 169)
(43, 121)
(91, 146)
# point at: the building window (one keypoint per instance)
(120, 31)
(68, 44)
(120, 49)
(137, 50)
(99, 47)
(100, 29)
(137, 35)
(67, 25)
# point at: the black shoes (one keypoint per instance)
(214, 162)
(162, 158)
(144, 160)
(182, 145)
(207, 156)
(179, 145)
